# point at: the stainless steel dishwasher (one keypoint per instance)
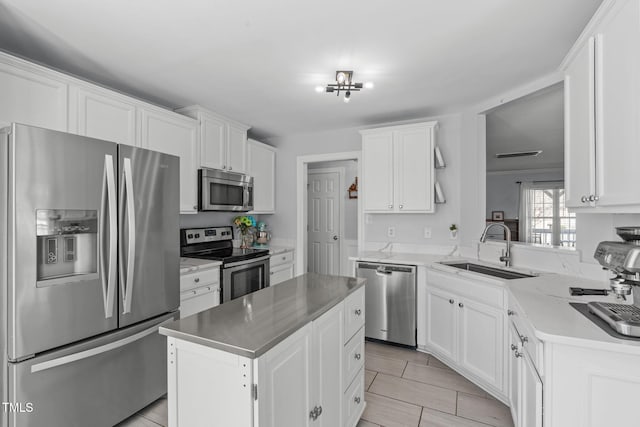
(390, 294)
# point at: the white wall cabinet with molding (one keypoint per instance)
(103, 114)
(32, 95)
(262, 167)
(602, 88)
(223, 142)
(172, 133)
(397, 169)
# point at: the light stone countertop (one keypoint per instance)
(275, 250)
(190, 265)
(251, 325)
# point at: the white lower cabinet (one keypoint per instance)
(301, 382)
(525, 385)
(199, 291)
(281, 267)
(465, 326)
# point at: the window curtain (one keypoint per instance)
(526, 210)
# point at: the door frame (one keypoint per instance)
(302, 173)
(341, 178)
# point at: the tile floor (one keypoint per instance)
(404, 388)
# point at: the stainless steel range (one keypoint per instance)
(623, 259)
(243, 270)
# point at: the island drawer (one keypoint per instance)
(354, 313)
(281, 258)
(353, 356)
(530, 343)
(199, 278)
(354, 400)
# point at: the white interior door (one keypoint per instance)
(324, 221)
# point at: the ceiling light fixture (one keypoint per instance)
(532, 153)
(344, 82)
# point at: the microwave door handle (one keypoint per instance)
(108, 210)
(126, 190)
(245, 199)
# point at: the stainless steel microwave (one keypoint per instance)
(224, 191)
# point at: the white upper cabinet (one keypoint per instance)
(103, 114)
(223, 142)
(398, 171)
(262, 167)
(602, 89)
(31, 95)
(174, 134)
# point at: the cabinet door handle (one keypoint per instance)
(358, 312)
(451, 301)
(357, 356)
(583, 199)
(314, 413)
(390, 206)
(514, 347)
(401, 206)
(510, 313)
(593, 198)
(197, 279)
(517, 354)
(224, 166)
(460, 305)
(524, 339)
(357, 400)
(195, 207)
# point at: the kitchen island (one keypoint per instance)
(288, 355)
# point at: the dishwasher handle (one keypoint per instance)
(382, 272)
(386, 269)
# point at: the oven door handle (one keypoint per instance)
(248, 261)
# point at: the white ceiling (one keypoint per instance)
(259, 61)
(533, 122)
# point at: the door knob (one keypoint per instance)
(335, 237)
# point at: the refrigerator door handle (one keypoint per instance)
(126, 190)
(97, 350)
(108, 210)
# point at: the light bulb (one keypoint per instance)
(320, 89)
(368, 85)
(340, 78)
(347, 97)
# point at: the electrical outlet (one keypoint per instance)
(427, 232)
(391, 232)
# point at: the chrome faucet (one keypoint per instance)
(506, 255)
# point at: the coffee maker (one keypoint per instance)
(623, 260)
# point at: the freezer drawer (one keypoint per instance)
(96, 383)
(390, 302)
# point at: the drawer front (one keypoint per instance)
(354, 313)
(199, 299)
(282, 258)
(280, 274)
(532, 345)
(353, 357)
(199, 278)
(475, 289)
(354, 401)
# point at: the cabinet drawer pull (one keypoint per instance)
(357, 356)
(401, 206)
(514, 347)
(583, 199)
(451, 301)
(197, 279)
(358, 312)
(230, 168)
(524, 339)
(460, 305)
(357, 400)
(194, 292)
(390, 206)
(510, 312)
(517, 354)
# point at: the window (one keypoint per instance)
(544, 218)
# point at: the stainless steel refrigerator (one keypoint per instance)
(89, 269)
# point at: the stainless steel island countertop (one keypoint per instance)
(251, 325)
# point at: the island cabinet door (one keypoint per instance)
(284, 379)
(327, 368)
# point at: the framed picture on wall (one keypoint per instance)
(497, 215)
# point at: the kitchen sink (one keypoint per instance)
(489, 271)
